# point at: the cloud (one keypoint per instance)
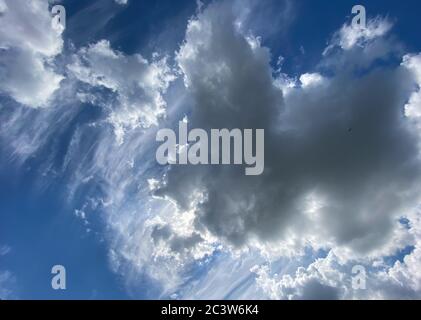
(342, 165)
(320, 281)
(6, 281)
(138, 84)
(311, 79)
(350, 36)
(342, 169)
(339, 156)
(28, 43)
(413, 107)
(397, 280)
(331, 276)
(214, 57)
(355, 49)
(121, 2)
(3, 6)
(4, 250)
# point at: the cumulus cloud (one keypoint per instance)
(340, 160)
(139, 84)
(339, 156)
(413, 107)
(311, 79)
(342, 167)
(332, 276)
(320, 281)
(349, 36)
(28, 43)
(228, 75)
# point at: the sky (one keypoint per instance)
(80, 187)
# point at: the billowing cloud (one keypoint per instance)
(340, 157)
(321, 281)
(139, 85)
(413, 64)
(28, 42)
(334, 275)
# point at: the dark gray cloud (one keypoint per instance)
(342, 144)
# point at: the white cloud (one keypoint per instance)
(121, 2)
(28, 42)
(352, 48)
(321, 281)
(3, 6)
(311, 79)
(27, 79)
(413, 64)
(139, 84)
(4, 250)
(350, 36)
(331, 277)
